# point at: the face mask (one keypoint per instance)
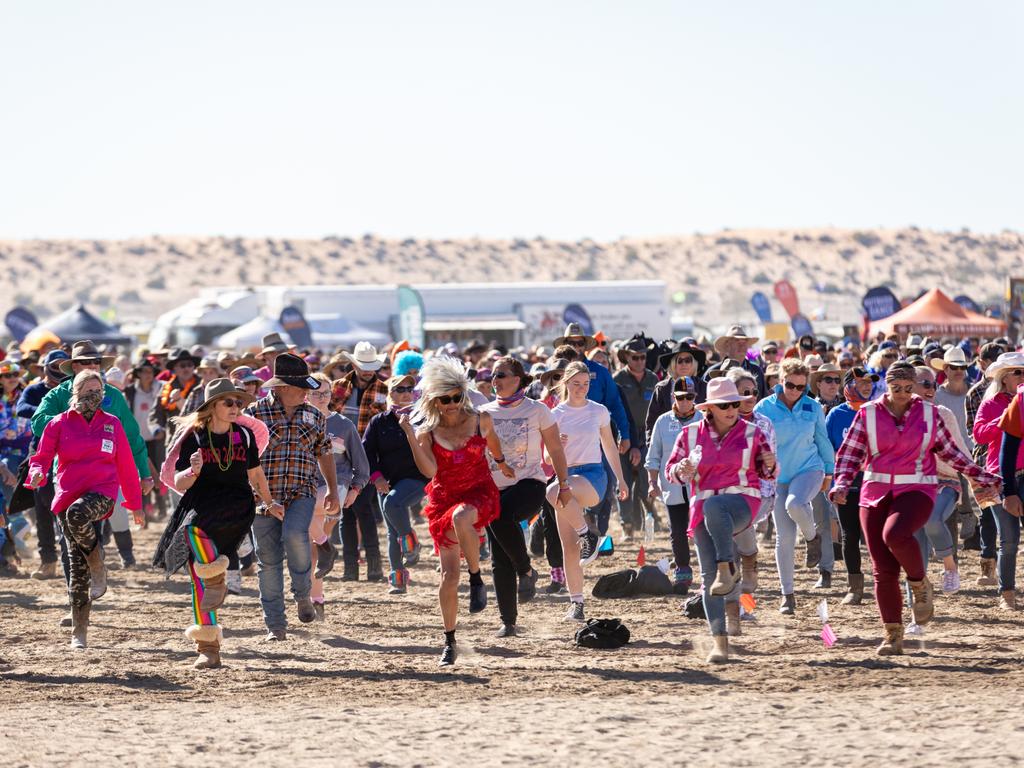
(88, 402)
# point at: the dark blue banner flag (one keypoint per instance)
(295, 325)
(879, 303)
(968, 303)
(20, 322)
(762, 306)
(574, 313)
(801, 325)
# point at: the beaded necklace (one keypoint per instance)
(231, 434)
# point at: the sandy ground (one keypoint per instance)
(363, 688)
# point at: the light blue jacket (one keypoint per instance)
(663, 439)
(802, 444)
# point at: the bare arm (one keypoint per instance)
(258, 481)
(611, 452)
(420, 446)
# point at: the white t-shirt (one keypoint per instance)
(582, 427)
(519, 428)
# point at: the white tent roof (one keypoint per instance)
(328, 332)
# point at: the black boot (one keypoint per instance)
(374, 569)
(351, 571)
(123, 539)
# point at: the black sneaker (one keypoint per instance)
(824, 580)
(589, 544)
(813, 552)
(326, 554)
(555, 588)
(528, 586)
(477, 597)
(448, 655)
(506, 630)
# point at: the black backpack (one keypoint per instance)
(602, 633)
(693, 608)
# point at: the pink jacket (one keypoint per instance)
(92, 457)
(987, 431)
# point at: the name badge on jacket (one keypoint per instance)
(107, 446)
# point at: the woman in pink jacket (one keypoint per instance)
(724, 458)
(94, 460)
(1006, 374)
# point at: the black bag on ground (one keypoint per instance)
(602, 633)
(693, 608)
(647, 580)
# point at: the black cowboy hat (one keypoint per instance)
(675, 347)
(292, 371)
(181, 355)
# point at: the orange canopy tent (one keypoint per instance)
(935, 314)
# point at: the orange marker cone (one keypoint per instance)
(641, 557)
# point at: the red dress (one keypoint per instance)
(463, 477)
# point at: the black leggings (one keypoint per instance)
(679, 521)
(509, 556)
(849, 520)
(552, 541)
(359, 519)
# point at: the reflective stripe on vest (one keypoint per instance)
(918, 478)
(885, 477)
(743, 489)
(748, 452)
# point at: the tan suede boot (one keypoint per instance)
(855, 589)
(1008, 600)
(988, 573)
(97, 573)
(207, 638)
(924, 604)
(215, 585)
(725, 579)
(720, 654)
(79, 625)
(893, 643)
(748, 566)
(732, 619)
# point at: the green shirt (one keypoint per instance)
(58, 399)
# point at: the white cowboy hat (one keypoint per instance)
(953, 356)
(734, 332)
(364, 357)
(1003, 362)
(722, 391)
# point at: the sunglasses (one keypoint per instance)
(908, 390)
(11, 375)
(927, 384)
(637, 358)
(685, 396)
(449, 399)
(230, 402)
(795, 387)
(684, 360)
(89, 363)
(1018, 372)
(846, 365)
(889, 356)
(555, 377)
(830, 379)
(726, 406)
(578, 343)
(501, 375)
(404, 390)
(748, 392)
(956, 367)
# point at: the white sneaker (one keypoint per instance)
(575, 612)
(234, 582)
(950, 582)
(914, 629)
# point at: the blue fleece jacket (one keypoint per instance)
(801, 439)
(605, 391)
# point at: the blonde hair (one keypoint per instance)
(439, 376)
(572, 369)
(791, 366)
(736, 375)
(996, 385)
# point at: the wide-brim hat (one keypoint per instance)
(144, 363)
(813, 360)
(396, 381)
(722, 391)
(554, 367)
(83, 352)
(575, 331)
(1004, 361)
(826, 368)
(864, 373)
(180, 355)
(210, 362)
(953, 356)
(291, 371)
(630, 347)
(677, 347)
(220, 388)
(735, 332)
(364, 357)
(273, 342)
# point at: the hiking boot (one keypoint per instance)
(326, 554)
(924, 605)
(307, 612)
(813, 552)
(575, 612)
(506, 630)
(448, 655)
(988, 573)
(682, 580)
(589, 543)
(215, 585)
(748, 567)
(950, 582)
(528, 586)
(557, 585)
(732, 619)
(787, 606)
(351, 572)
(855, 589)
(233, 580)
(374, 569)
(720, 653)
(1008, 600)
(45, 571)
(207, 638)
(824, 580)
(892, 645)
(79, 625)
(477, 597)
(97, 572)
(726, 579)
(276, 635)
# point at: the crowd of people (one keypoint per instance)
(294, 458)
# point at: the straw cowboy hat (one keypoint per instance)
(273, 342)
(220, 388)
(1003, 362)
(86, 352)
(575, 331)
(365, 357)
(735, 332)
(953, 356)
(722, 391)
(827, 368)
(291, 371)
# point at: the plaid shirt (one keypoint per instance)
(290, 461)
(971, 405)
(853, 453)
(374, 398)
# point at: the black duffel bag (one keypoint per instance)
(602, 633)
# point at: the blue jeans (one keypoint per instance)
(395, 506)
(714, 605)
(724, 516)
(823, 512)
(936, 529)
(276, 539)
(1009, 539)
(793, 509)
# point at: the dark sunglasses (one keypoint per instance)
(890, 356)
(687, 360)
(501, 375)
(89, 363)
(830, 379)
(406, 389)
(795, 387)
(1015, 372)
(449, 399)
(637, 358)
(578, 343)
(927, 384)
(846, 364)
(11, 375)
(957, 367)
(726, 406)
(685, 396)
(748, 392)
(230, 402)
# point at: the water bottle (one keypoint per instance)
(694, 458)
(649, 528)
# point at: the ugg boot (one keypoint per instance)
(215, 585)
(399, 582)
(725, 579)
(732, 619)
(855, 589)
(374, 569)
(1008, 600)
(97, 572)
(893, 643)
(924, 605)
(79, 625)
(748, 566)
(988, 573)
(207, 638)
(720, 654)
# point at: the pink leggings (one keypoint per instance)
(889, 532)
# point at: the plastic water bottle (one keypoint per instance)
(694, 458)
(649, 528)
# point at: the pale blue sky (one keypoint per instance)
(566, 119)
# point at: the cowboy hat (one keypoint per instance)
(575, 331)
(826, 368)
(1003, 362)
(677, 347)
(219, 388)
(734, 332)
(953, 356)
(630, 347)
(85, 352)
(291, 371)
(814, 360)
(722, 391)
(210, 362)
(555, 367)
(396, 381)
(273, 342)
(180, 355)
(364, 357)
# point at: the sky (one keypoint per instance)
(565, 119)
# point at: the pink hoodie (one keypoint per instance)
(92, 457)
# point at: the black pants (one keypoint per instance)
(679, 521)
(849, 521)
(358, 519)
(509, 556)
(45, 522)
(157, 453)
(635, 508)
(552, 541)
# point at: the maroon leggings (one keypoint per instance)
(889, 532)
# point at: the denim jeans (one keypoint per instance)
(823, 513)
(725, 516)
(987, 533)
(793, 509)
(936, 529)
(276, 539)
(1009, 538)
(714, 605)
(395, 506)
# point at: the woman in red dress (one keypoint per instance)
(462, 499)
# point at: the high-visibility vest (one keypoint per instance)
(918, 476)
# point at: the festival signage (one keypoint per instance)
(574, 313)
(786, 294)
(762, 307)
(295, 325)
(410, 316)
(968, 303)
(879, 303)
(801, 325)
(20, 322)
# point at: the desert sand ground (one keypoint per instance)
(363, 688)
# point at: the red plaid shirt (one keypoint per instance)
(290, 461)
